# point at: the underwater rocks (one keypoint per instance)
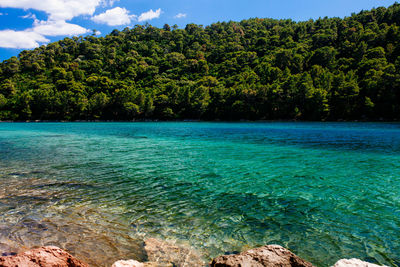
(166, 253)
(49, 256)
(271, 255)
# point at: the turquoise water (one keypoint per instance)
(324, 190)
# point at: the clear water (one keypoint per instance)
(324, 190)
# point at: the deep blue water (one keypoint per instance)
(324, 190)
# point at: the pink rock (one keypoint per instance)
(49, 256)
(271, 256)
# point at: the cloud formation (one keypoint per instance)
(20, 39)
(32, 37)
(114, 17)
(180, 15)
(59, 12)
(149, 15)
(56, 28)
(56, 9)
(29, 16)
(111, 2)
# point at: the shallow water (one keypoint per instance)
(324, 190)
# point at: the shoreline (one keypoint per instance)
(210, 121)
(160, 253)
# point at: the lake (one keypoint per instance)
(324, 190)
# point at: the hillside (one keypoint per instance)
(327, 69)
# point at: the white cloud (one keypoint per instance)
(111, 2)
(108, 3)
(29, 16)
(33, 37)
(150, 15)
(120, 16)
(20, 39)
(180, 15)
(59, 11)
(56, 28)
(114, 17)
(56, 9)
(96, 32)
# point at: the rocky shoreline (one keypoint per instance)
(164, 254)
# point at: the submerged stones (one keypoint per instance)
(166, 253)
(162, 253)
(49, 256)
(271, 255)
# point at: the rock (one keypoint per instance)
(354, 263)
(271, 256)
(49, 256)
(164, 253)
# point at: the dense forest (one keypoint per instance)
(256, 69)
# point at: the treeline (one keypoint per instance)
(327, 69)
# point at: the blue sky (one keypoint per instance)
(25, 24)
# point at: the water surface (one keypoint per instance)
(324, 190)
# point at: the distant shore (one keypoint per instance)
(194, 120)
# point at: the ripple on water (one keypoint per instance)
(324, 190)
(37, 212)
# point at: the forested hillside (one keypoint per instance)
(327, 69)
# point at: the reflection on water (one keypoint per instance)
(324, 190)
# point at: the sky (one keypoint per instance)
(26, 24)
